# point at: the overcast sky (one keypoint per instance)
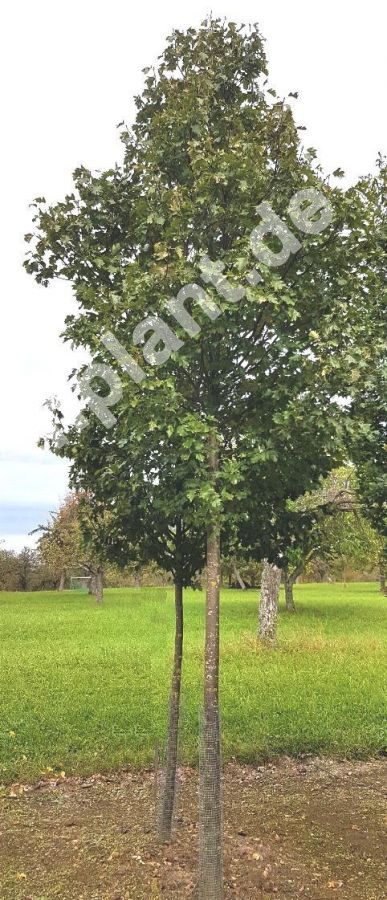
(69, 72)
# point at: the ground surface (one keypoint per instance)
(85, 689)
(312, 829)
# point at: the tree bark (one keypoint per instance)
(210, 831)
(289, 598)
(62, 581)
(268, 608)
(98, 585)
(169, 785)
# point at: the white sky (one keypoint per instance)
(69, 72)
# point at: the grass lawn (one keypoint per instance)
(85, 689)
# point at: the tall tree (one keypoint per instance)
(210, 147)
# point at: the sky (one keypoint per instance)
(69, 73)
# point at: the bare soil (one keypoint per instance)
(297, 829)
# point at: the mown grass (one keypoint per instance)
(84, 688)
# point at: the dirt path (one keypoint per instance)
(292, 830)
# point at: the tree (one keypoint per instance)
(9, 570)
(306, 526)
(60, 541)
(278, 525)
(73, 538)
(26, 567)
(327, 526)
(210, 142)
(95, 527)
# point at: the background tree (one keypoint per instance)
(60, 542)
(8, 570)
(278, 525)
(327, 527)
(73, 539)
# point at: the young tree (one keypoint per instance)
(210, 148)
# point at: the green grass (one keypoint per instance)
(85, 689)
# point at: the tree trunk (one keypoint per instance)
(268, 608)
(62, 581)
(169, 785)
(289, 598)
(239, 578)
(98, 585)
(210, 830)
(137, 578)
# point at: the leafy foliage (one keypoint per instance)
(209, 142)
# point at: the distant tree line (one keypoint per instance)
(24, 571)
(27, 570)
